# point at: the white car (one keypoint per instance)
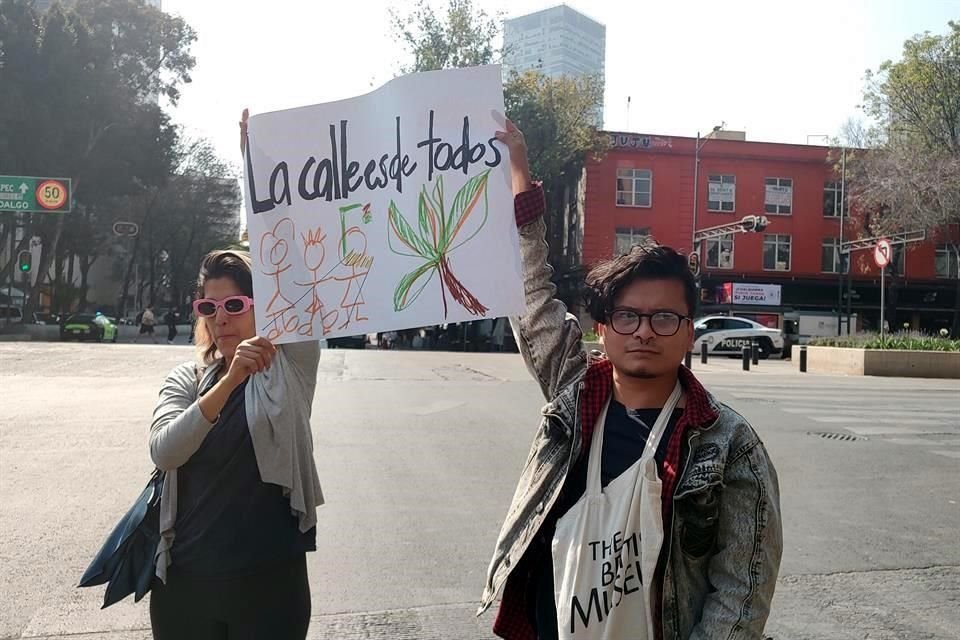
(726, 335)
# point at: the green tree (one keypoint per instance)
(462, 37)
(78, 81)
(202, 212)
(195, 211)
(557, 117)
(135, 159)
(910, 177)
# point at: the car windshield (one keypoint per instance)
(80, 318)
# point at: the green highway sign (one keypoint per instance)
(30, 194)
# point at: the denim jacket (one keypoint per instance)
(721, 553)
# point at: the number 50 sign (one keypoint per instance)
(30, 194)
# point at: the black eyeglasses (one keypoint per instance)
(663, 323)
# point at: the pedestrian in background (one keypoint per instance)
(171, 319)
(147, 322)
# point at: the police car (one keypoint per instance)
(725, 335)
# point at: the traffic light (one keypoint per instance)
(754, 224)
(25, 261)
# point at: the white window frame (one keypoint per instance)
(840, 260)
(719, 243)
(722, 178)
(953, 262)
(634, 178)
(835, 188)
(631, 234)
(778, 207)
(777, 242)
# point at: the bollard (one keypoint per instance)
(688, 360)
(746, 358)
(755, 352)
(703, 352)
(803, 359)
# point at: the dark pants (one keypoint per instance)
(270, 604)
(171, 332)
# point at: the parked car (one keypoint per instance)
(10, 314)
(88, 326)
(349, 342)
(725, 335)
(45, 318)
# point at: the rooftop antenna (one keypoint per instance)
(628, 113)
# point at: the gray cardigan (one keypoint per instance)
(278, 404)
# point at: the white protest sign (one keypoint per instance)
(387, 211)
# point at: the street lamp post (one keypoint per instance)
(840, 256)
(695, 244)
(696, 187)
(843, 213)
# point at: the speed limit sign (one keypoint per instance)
(51, 194)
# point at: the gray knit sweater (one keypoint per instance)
(278, 404)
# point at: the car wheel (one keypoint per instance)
(766, 348)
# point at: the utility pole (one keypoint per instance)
(840, 256)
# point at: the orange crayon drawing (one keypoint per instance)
(350, 272)
(274, 253)
(314, 254)
(353, 255)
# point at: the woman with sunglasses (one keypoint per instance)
(238, 509)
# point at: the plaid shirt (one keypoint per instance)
(529, 205)
(513, 620)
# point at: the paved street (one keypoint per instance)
(419, 454)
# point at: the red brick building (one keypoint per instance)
(645, 186)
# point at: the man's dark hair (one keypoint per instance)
(646, 261)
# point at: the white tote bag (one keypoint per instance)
(606, 546)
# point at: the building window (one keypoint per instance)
(947, 261)
(722, 193)
(832, 201)
(634, 187)
(776, 252)
(779, 195)
(720, 252)
(831, 257)
(627, 239)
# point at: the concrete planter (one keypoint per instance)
(882, 362)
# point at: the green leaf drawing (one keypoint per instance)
(464, 204)
(438, 230)
(430, 220)
(402, 298)
(406, 234)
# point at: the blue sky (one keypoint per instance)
(781, 71)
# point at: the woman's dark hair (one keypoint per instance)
(235, 265)
(645, 261)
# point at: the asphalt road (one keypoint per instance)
(419, 454)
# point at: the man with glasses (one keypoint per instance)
(647, 509)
